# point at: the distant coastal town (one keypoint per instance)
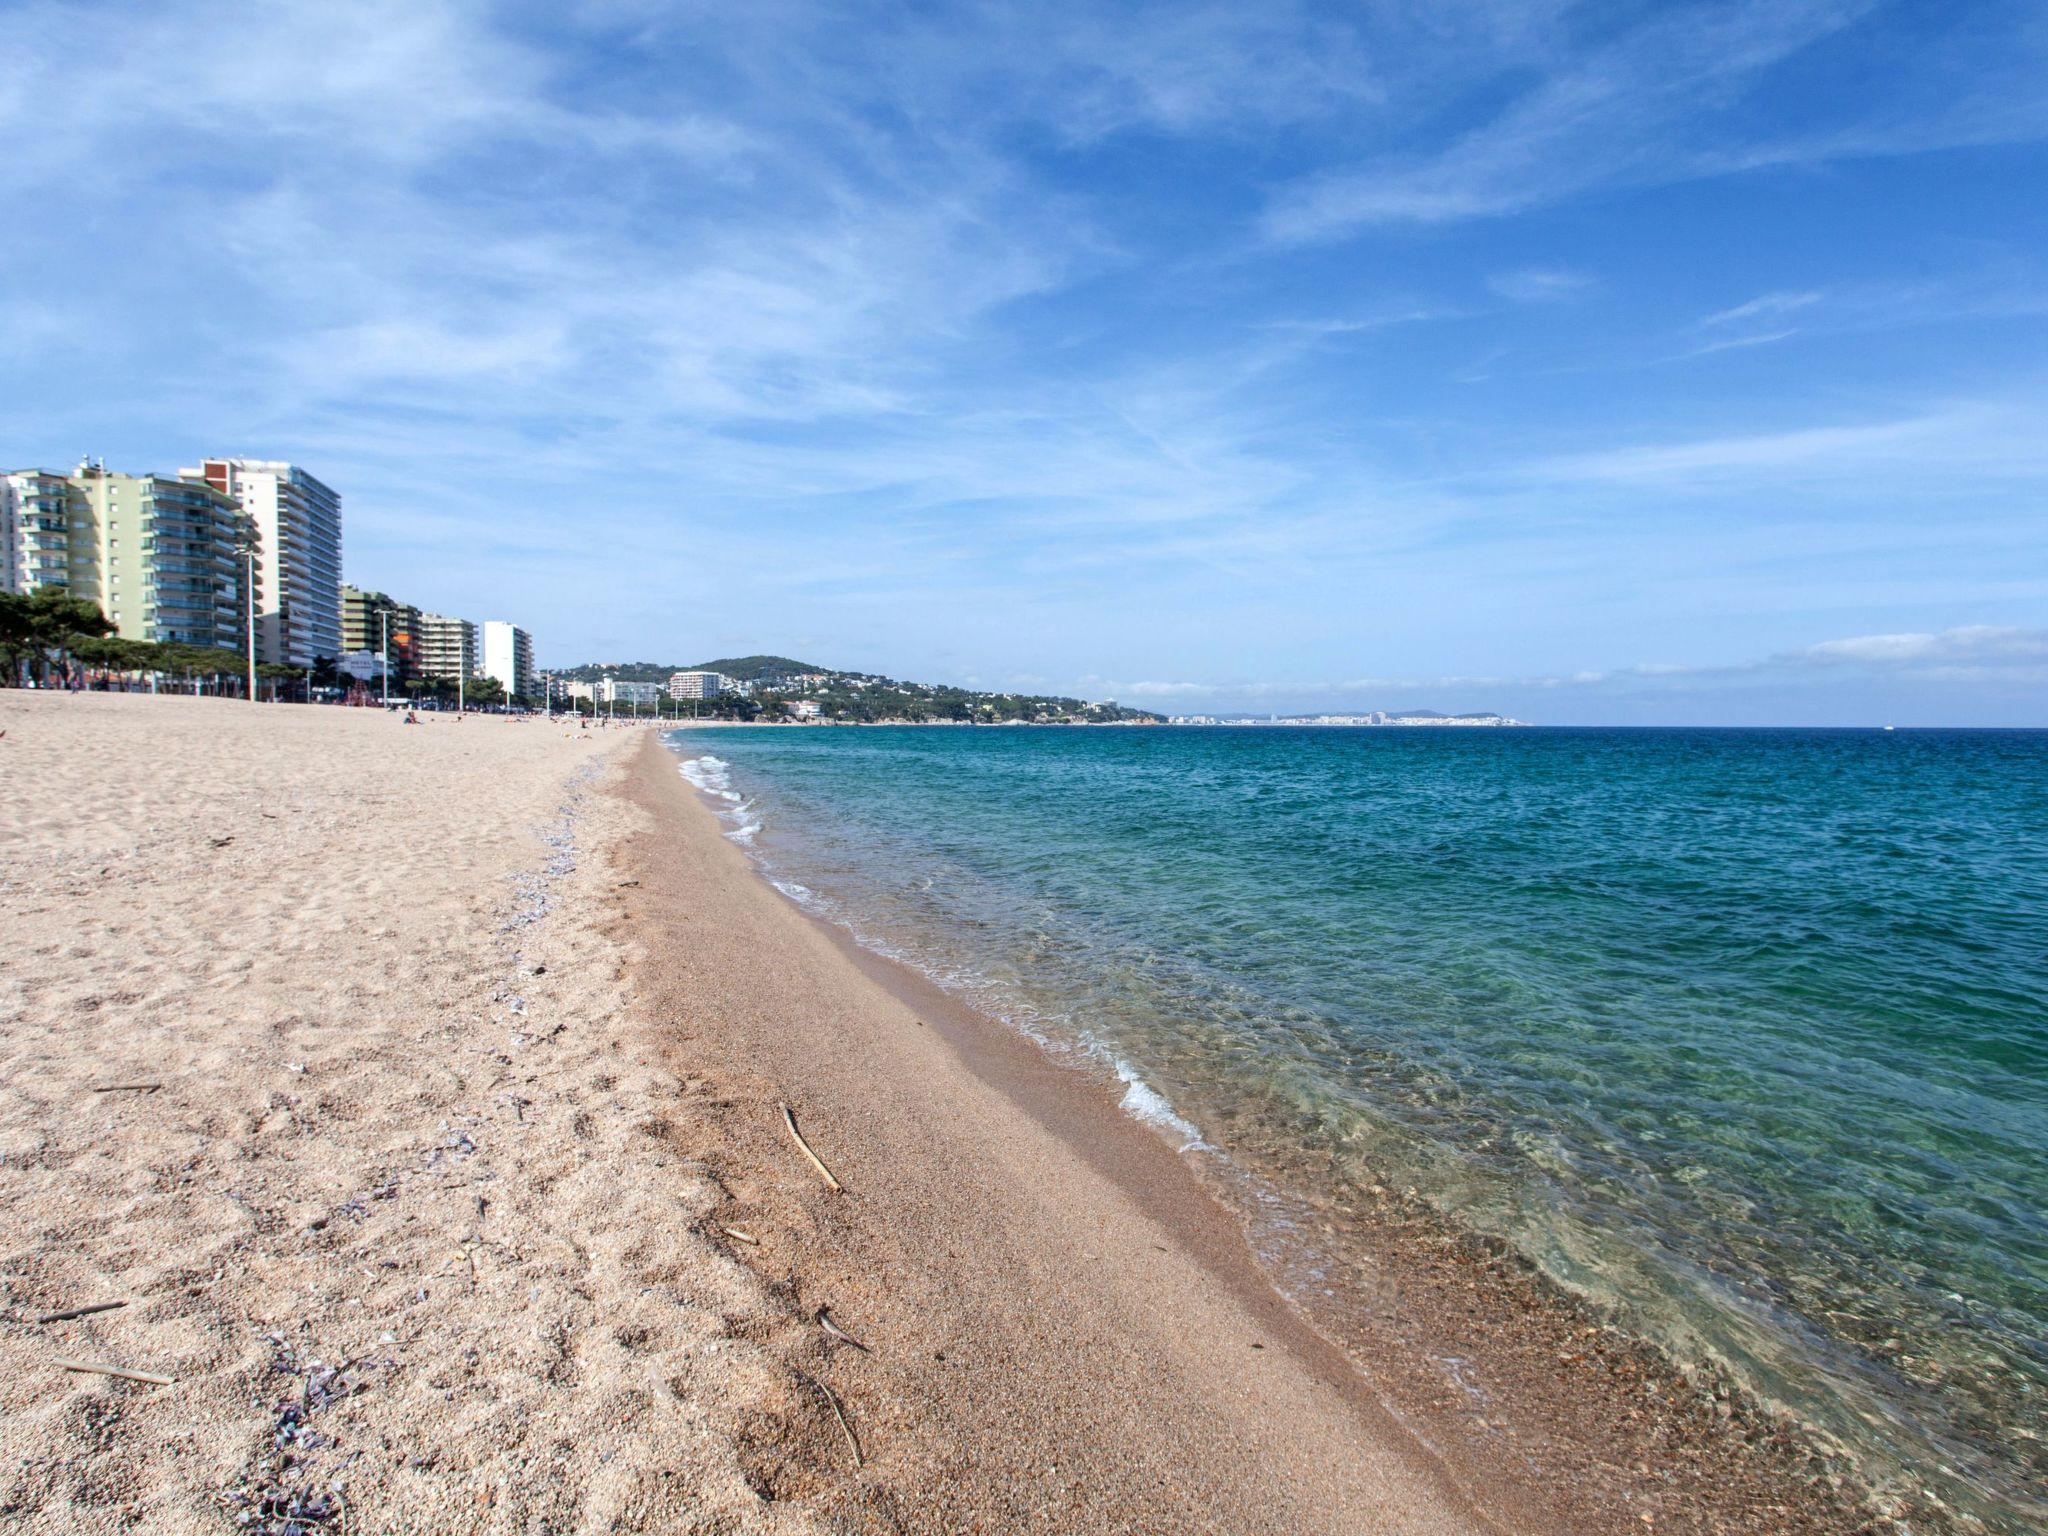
(1369, 717)
(226, 578)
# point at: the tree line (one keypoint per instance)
(50, 639)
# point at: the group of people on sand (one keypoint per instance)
(412, 717)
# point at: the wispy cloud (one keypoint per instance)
(1974, 439)
(1540, 285)
(1670, 100)
(2005, 655)
(1767, 306)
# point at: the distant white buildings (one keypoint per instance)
(803, 709)
(298, 554)
(613, 690)
(508, 657)
(700, 685)
(1421, 717)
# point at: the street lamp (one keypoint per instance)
(249, 596)
(384, 616)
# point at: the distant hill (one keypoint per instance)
(774, 681)
(748, 669)
(751, 669)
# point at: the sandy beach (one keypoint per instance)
(418, 1091)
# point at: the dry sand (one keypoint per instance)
(401, 1220)
(467, 1192)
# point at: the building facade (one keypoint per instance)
(370, 620)
(449, 648)
(298, 533)
(508, 657)
(699, 685)
(10, 537)
(167, 559)
(612, 690)
(39, 508)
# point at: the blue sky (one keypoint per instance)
(1598, 362)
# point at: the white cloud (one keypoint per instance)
(1979, 652)
(1669, 100)
(1979, 644)
(1764, 306)
(1540, 285)
(1976, 440)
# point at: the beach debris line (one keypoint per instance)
(824, 1173)
(834, 1331)
(93, 1368)
(839, 1413)
(70, 1312)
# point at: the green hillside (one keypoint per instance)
(859, 696)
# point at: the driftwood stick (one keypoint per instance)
(88, 1368)
(71, 1312)
(833, 1330)
(740, 1237)
(823, 1172)
(839, 1413)
(127, 1087)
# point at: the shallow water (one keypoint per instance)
(1742, 1032)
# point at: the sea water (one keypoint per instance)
(1743, 1034)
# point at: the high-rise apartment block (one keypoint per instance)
(159, 555)
(508, 657)
(37, 510)
(298, 541)
(448, 647)
(699, 685)
(372, 620)
(167, 559)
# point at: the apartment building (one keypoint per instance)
(700, 685)
(167, 559)
(298, 532)
(612, 690)
(508, 657)
(370, 620)
(37, 510)
(449, 648)
(10, 538)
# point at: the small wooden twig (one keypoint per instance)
(839, 1413)
(833, 1330)
(126, 1087)
(87, 1368)
(823, 1172)
(740, 1237)
(71, 1312)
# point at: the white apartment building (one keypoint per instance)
(298, 540)
(699, 685)
(508, 657)
(39, 512)
(612, 690)
(448, 647)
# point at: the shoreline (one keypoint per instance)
(449, 1185)
(1474, 1354)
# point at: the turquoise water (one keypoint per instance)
(1744, 1033)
